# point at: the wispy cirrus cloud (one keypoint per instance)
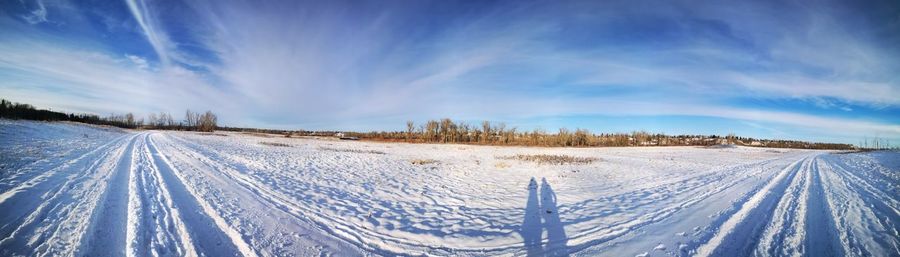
(147, 21)
(338, 64)
(88, 81)
(38, 14)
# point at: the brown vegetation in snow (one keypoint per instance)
(488, 133)
(351, 150)
(275, 144)
(423, 161)
(553, 159)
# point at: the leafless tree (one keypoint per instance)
(410, 126)
(189, 119)
(152, 120)
(486, 132)
(207, 122)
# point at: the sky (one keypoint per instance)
(825, 71)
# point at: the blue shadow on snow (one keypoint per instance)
(543, 215)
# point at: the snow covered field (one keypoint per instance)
(68, 189)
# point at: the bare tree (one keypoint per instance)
(431, 130)
(189, 119)
(192, 120)
(410, 126)
(169, 121)
(500, 130)
(207, 122)
(152, 120)
(486, 131)
(447, 130)
(129, 120)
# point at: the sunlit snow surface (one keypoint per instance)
(71, 189)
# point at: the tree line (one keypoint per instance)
(432, 131)
(488, 133)
(196, 121)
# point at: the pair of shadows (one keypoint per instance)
(543, 215)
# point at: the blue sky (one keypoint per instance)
(809, 70)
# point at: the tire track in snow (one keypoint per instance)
(741, 232)
(106, 234)
(211, 234)
(829, 205)
(865, 225)
(285, 204)
(369, 240)
(863, 187)
(30, 173)
(709, 208)
(150, 229)
(364, 238)
(822, 237)
(63, 207)
(337, 228)
(223, 190)
(133, 217)
(75, 216)
(51, 173)
(707, 186)
(882, 181)
(784, 234)
(155, 227)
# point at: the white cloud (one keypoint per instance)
(96, 82)
(38, 15)
(328, 65)
(138, 61)
(146, 19)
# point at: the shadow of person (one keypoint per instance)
(556, 235)
(531, 225)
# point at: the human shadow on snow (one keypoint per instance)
(543, 215)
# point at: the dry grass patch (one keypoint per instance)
(423, 161)
(350, 150)
(275, 144)
(856, 151)
(211, 134)
(257, 134)
(554, 159)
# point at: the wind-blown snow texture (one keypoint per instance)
(70, 189)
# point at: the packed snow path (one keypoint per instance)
(69, 189)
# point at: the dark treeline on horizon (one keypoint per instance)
(12, 110)
(432, 131)
(192, 121)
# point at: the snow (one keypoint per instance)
(660, 247)
(72, 189)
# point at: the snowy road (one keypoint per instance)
(69, 189)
